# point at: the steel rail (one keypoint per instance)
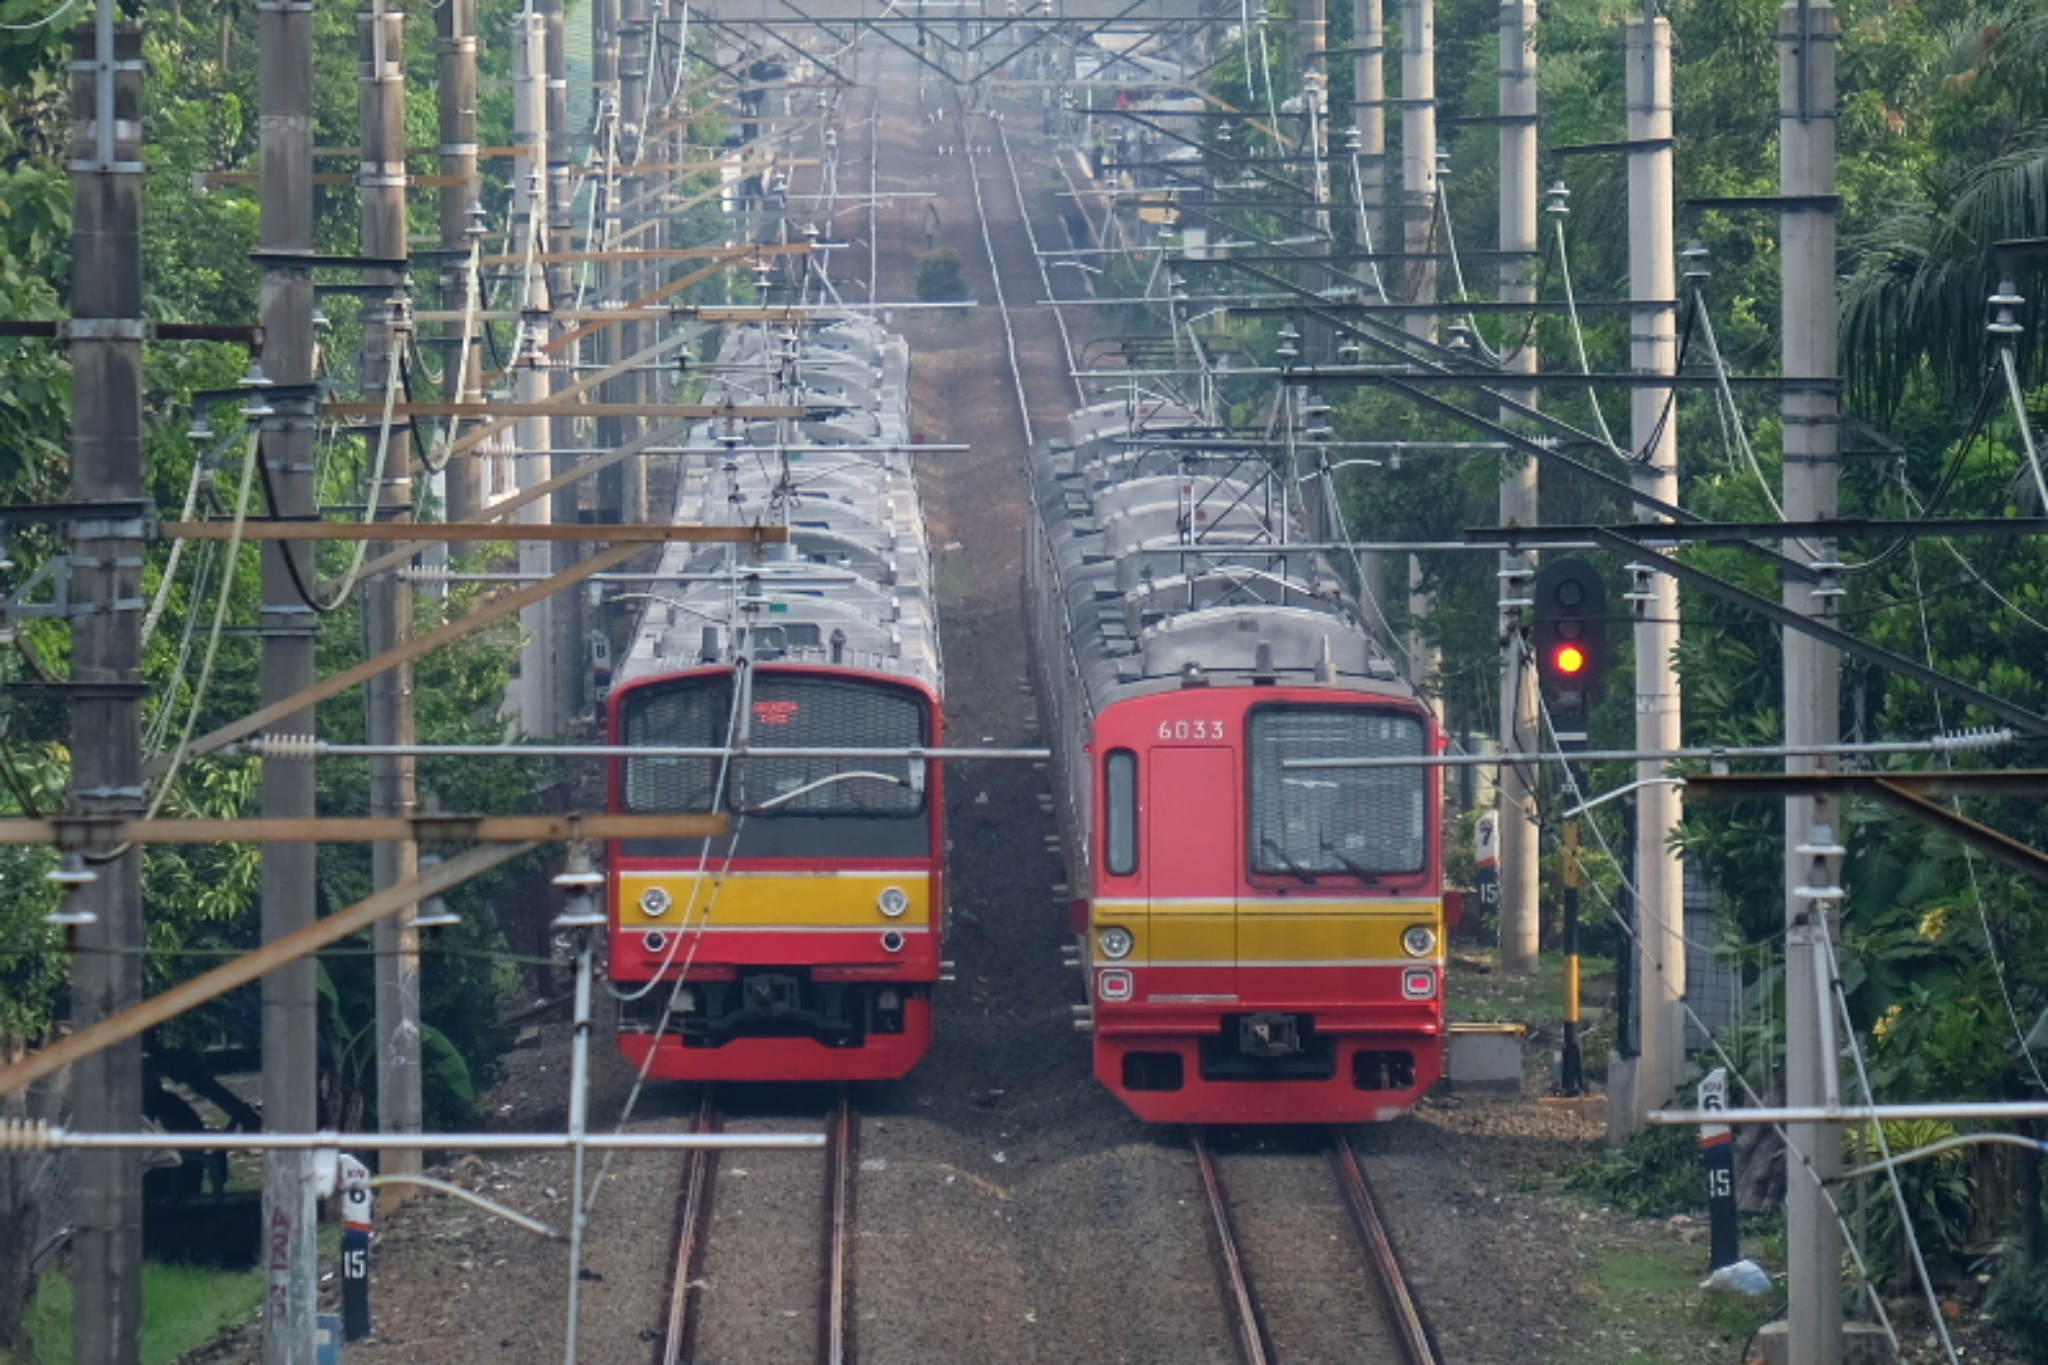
(1403, 1315)
(835, 1324)
(1240, 1299)
(995, 266)
(693, 1223)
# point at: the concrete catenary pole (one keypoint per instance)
(1418, 158)
(604, 93)
(1319, 340)
(530, 436)
(106, 666)
(290, 994)
(1369, 113)
(1516, 826)
(565, 617)
(1806, 138)
(1418, 196)
(635, 61)
(1653, 280)
(456, 38)
(387, 605)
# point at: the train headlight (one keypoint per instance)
(1418, 940)
(1117, 942)
(655, 901)
(893, 901)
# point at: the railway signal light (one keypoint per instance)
(1570, 641)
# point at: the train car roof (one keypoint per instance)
(853, 584)
(1176, 569)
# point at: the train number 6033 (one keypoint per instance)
(1191, 729)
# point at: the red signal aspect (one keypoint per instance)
(1569, 659)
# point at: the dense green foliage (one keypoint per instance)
(1943, 154)
(200, 102)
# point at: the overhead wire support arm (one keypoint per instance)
(650, 533)
(1729, 532)
(252, 966)
(1904, 793)
(2010, 712)
(1046, 31)
(1542, 450)
(493, 611)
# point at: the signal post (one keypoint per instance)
(1571, 663)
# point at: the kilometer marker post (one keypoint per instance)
(355, 1249)
(1717, 1154)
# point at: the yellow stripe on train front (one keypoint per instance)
(1278, 930)
(834, 900)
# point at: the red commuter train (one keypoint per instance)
(1262, 943)
(805, 944)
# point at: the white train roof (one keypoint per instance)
(1181, 557)
(853, 586)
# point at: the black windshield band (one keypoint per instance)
(793, 807)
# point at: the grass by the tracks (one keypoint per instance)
(1642, 1302)
(1480, 992)
(183, 1308)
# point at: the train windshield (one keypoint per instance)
(797, 806)
(1335, 822)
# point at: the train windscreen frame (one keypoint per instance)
(854, 816)
(1344, 823)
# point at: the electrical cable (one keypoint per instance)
(1630, 933)
(394, 373)
(1981, 581)
(220, 616)
(163, 587)
(2019, 1031)
(742, 690)
(1379, 281)
(1571, 303)
(1841, 1000)
(1943, 486)
(44, 22)
(160, 724)
(2009, 366)
(291, 563)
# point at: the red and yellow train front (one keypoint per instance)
(804, 945)
(1265, 941)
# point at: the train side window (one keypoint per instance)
(1120, 812)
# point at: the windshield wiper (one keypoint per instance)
(1297, 869)
(784, 798)
(1358, 869)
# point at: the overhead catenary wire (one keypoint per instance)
(2019, 1031)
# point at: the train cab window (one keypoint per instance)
(1120, 812)
(1335, 824)
(795, 806)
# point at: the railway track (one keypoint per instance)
(1405, 1338)
(677, 1342)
